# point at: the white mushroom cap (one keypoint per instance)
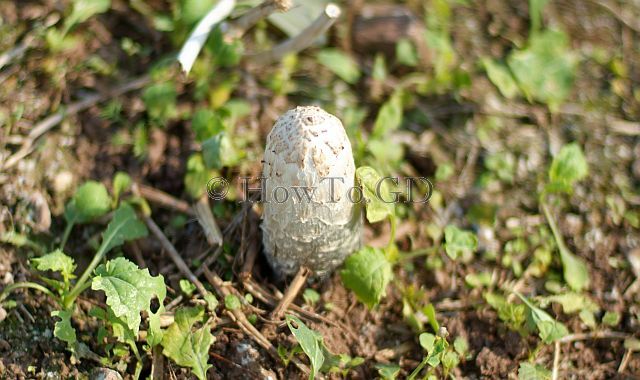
(306, 147)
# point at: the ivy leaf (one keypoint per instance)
(123, 227)
(90, 201)
(129, 289)
(528, 371)
(186, 347)
(56, 261)
(310, 341)
(63, 329)
(549, 329)
(568, 167)
(459, 243)
(367, 273)
(389, 116)
(375, 189)
(340, 64)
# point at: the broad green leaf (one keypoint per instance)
(90, 201)
(528, 371)
(121, 182)
(545, 69)
(459, 243)
(575, 270)
(611, 318)
(195, 181)
(187, 287)
(388, 371)
(549, 329)
(571, 302)
(123, 227)
(63, 329)
(461, 346)
(389, 116)
(406, 53)
(129, 290)
(310, 296)
(206, 124)
(218, 151)
(376, 193)
(340, 64)
(427, 341)
(568, 167)
(367, 273)
(310, 341)
(189, 348)
(83, 10)
(160, 100)
(500, 76)
(56, 261)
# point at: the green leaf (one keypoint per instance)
(528, 371)
(129, 290)
(83, 10)
(63, 329)
(123, 227)
(611, 318)
(340, 64)
(459, 243)
(367, 273)
(461, 346)
(406, 53)
(430, 312)
(388, 371)
(500, 76)
(389, 116)
(300, 16)
(575, 270)
(56, 261)
(187, 287)
(189, 348)
(545, 69)
(427, 341)
(218, 151)
(310, 296)
(549, 329)
(572, 302)
(206, 124)
(568, 167)
(121, 182)
(90, 201)
(232, 302)
(160, 100)
(310, 341)
(375, 189)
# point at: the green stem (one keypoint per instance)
(81, 284)
(32, 285)
(418, 368)
(405, 256)
(67, 232)
(562, 247)
(392, 238)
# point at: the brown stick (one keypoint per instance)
(239, 27)
(175, 256)
(207, 221)
(163, 199)
(244, 324)
(293, 45)
(290, 294)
